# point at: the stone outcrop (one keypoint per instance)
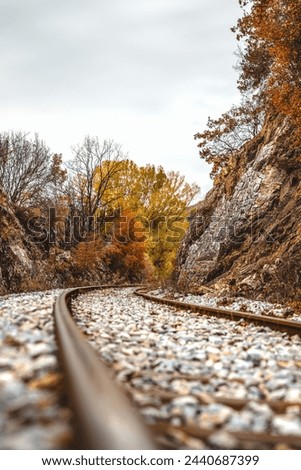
(245, 237)
(16, 253)
(27, 264)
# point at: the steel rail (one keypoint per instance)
(105, 417)
(290, 327)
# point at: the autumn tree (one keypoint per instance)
(59, 176)
(269, 69)
(88, 254)
(228, 133)
(28, 170)
(273, 28)
(150, 191)
(125, 255)
(159, 201)
(93, 166)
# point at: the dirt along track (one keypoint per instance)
(201, 379)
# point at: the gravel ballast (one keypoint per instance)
(178, 367)
(242, 304)
(176, 364)
(32, 413)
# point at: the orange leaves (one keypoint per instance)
(274, 25)
(87, 254)
(270, 79)
(123, 255)
(126, 253)
(151, 198)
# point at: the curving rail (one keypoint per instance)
(290, 327)
(105, 418)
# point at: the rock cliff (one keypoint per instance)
(27, 264)
(16, 253)
(245, 237)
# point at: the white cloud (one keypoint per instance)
(144, 72)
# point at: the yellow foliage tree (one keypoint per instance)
(158, 201)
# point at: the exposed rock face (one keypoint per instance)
(246, 234)
(15, 252)
(26, 264)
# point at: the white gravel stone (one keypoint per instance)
(230, 303)
(185, 401)
(178, 352)
(288, 425)
(31, 413)
(223, 440)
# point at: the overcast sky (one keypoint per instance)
(146, 73)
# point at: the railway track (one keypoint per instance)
(105, 416)
(290, 327)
